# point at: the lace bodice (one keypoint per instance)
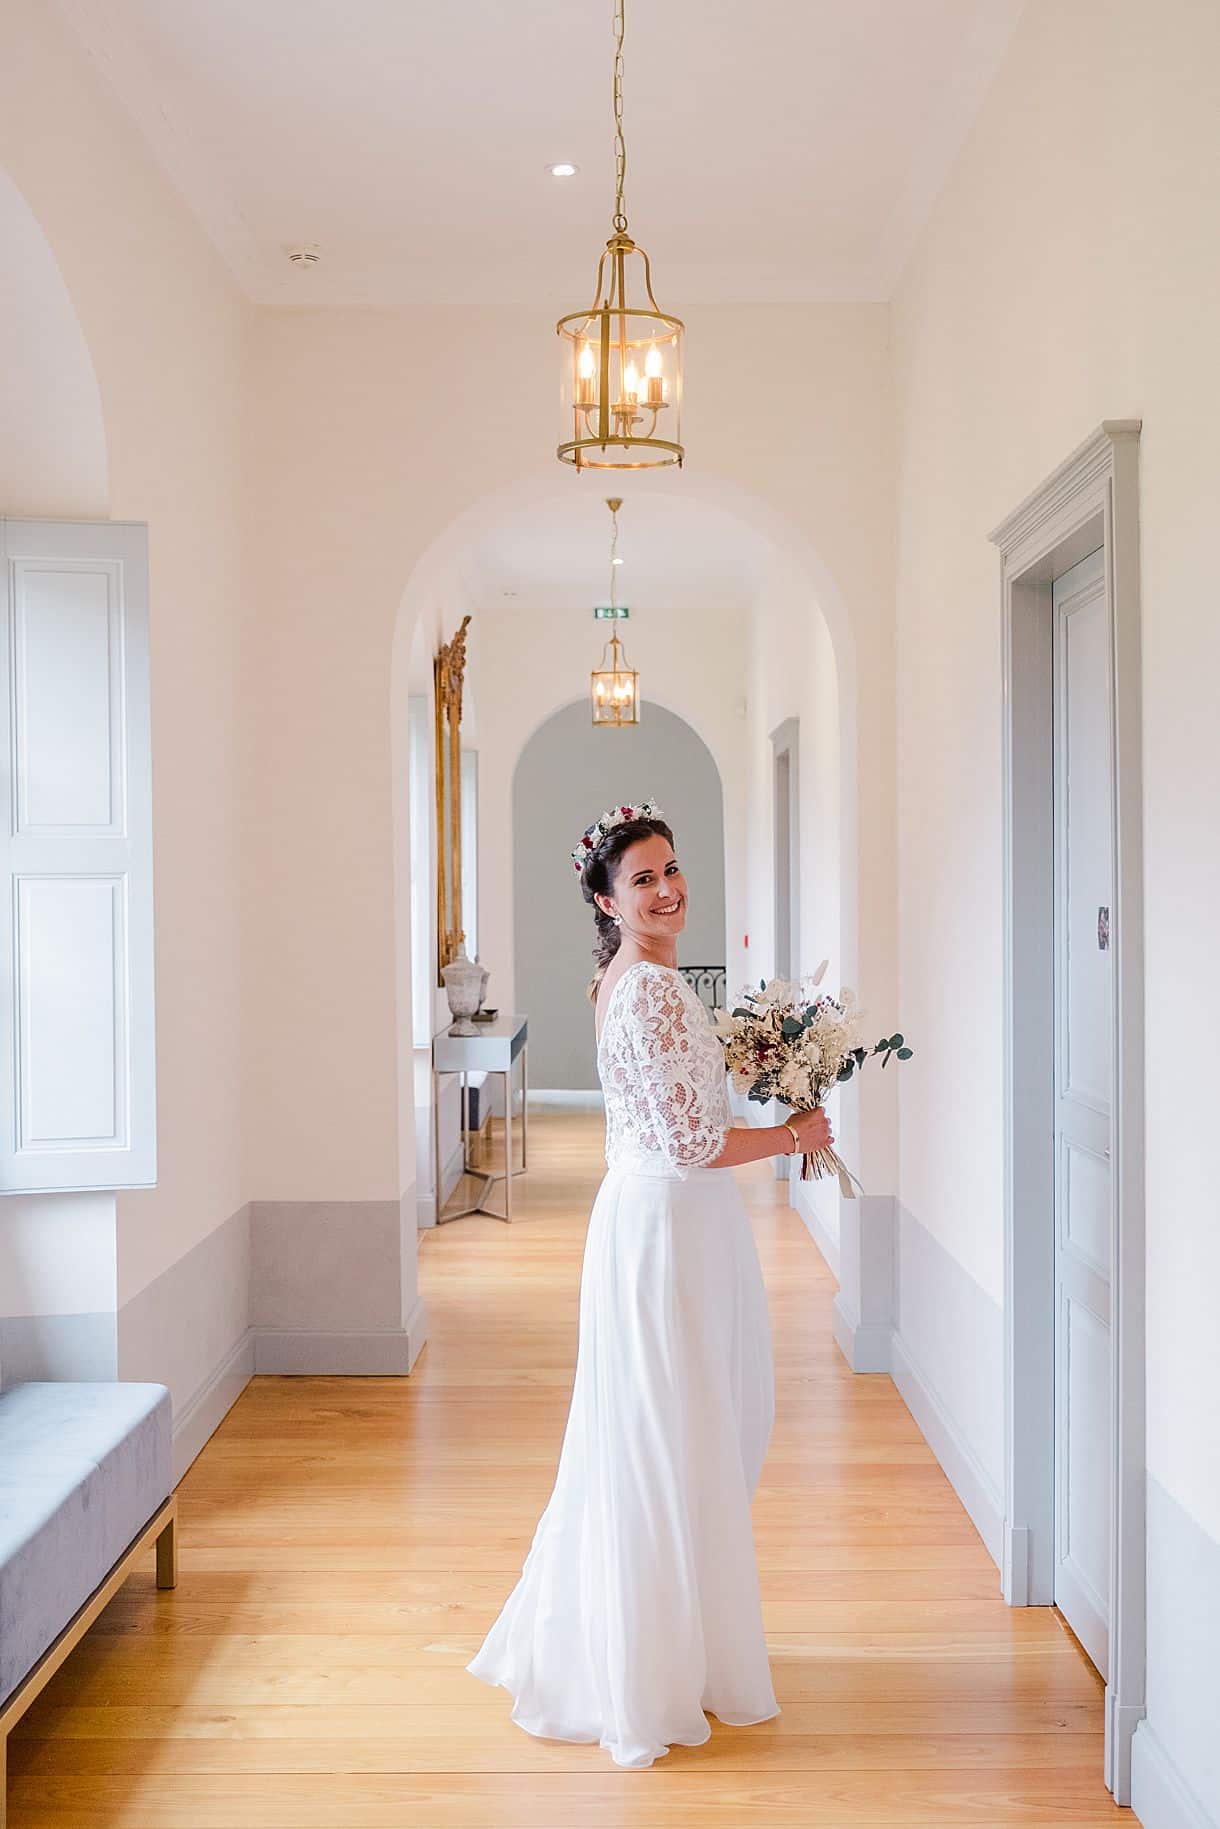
(662, 1072)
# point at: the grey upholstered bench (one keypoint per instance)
(84, 1489)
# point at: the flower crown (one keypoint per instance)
(616, 816)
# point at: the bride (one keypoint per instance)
(637, 1612)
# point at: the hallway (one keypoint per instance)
(345, 1544)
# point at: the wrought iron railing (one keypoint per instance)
(707, 982)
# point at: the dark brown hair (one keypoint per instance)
(597, 878)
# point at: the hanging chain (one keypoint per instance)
(620, 144)
(613, 558)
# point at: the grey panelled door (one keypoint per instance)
(1084, 1046)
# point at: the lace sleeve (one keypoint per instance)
(681, 1072)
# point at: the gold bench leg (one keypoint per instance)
(167, 1553)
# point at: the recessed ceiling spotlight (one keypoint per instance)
(308, 255)
(563, 171)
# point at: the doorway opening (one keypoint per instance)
(1074, 1156)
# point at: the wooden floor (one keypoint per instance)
(346, 1543)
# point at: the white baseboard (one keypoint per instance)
(1122, 1722)
(416, 1329)
(965, 1475)
(207, 1409)
(1160, 1796)
(542, 1096)
(865, 1348)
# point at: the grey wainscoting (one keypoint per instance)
(332, 1286)
(326, 1287)
(77, 1348)
(190, 1329)
(908, 1307)
(1175, 1756)
(948, 1364)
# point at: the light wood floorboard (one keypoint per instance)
(345, 1544)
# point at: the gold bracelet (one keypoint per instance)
(791, 1130)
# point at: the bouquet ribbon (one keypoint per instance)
(821, 1163)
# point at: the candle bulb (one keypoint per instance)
(656, 383)
(586, 370)
(631, 384)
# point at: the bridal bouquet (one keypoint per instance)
(789, 1041)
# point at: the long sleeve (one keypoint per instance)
(684, 1107)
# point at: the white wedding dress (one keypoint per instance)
(638, 1607)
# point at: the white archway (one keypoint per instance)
(438, 591)
(52, 433)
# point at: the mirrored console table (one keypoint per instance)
(497, 1048)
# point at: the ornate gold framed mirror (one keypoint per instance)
(448, 668)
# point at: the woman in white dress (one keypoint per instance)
(637, 1611)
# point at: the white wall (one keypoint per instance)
(793, 674)
(165, 329)
(1070, 274)
(373, 434)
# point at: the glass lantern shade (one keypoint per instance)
(614, 688)
(621, 373)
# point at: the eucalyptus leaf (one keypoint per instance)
(791, 1026)
(896, 1041)
(905, 1054)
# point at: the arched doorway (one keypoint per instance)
(566, 774)
(496, 558)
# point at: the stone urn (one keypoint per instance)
(465, 983)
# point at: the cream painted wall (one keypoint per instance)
(52, 434)
(372, 435)
(166, 330)
(793, 674)
(1038, 305)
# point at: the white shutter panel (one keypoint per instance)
(77, 1065)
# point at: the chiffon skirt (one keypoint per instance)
(638, 1607)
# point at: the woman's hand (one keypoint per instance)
(813, 1131)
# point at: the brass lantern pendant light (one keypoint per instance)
(621, 379)
(614, 687)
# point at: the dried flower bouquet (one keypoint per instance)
(790, 1042)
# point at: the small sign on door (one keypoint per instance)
(1103, 930)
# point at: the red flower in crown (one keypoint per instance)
(647, 809)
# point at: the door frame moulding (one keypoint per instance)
(785, 824)
(1091, 500)
(786, 742)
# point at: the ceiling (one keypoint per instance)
(782, 150)
(679, 553)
